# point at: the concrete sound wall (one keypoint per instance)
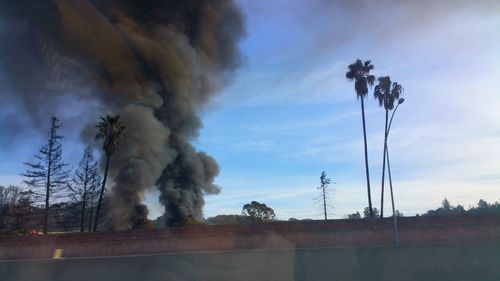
(414, 231)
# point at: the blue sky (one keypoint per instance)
(290, 113)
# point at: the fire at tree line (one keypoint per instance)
(76, 200)
(56, 198)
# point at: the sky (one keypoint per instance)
(290, 114)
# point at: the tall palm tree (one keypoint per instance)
(359, 72)
(387, 93)
(110, 130)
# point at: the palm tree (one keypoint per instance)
(359, 72)
(387, 93)
(110, 130)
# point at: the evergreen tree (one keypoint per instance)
(48, 175)
(258, 212)
(367, 215)
(354, 216)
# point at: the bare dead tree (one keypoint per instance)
(83, 179)
(324, 183)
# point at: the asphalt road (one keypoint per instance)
(441, 263)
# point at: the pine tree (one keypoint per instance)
(48, 175)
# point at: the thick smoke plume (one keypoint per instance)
(153, 62)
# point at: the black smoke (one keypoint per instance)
(156, 63)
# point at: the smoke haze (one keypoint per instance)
(155, 63)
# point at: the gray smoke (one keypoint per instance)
(155, 63)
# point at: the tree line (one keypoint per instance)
(256, 212)
(56, 197)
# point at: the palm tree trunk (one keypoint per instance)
(383, 164)
(394, 217)
(324, 203)
(366, 158)
(96, 221)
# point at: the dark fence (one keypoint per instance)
(333, 233)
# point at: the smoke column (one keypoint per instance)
(155, 63)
